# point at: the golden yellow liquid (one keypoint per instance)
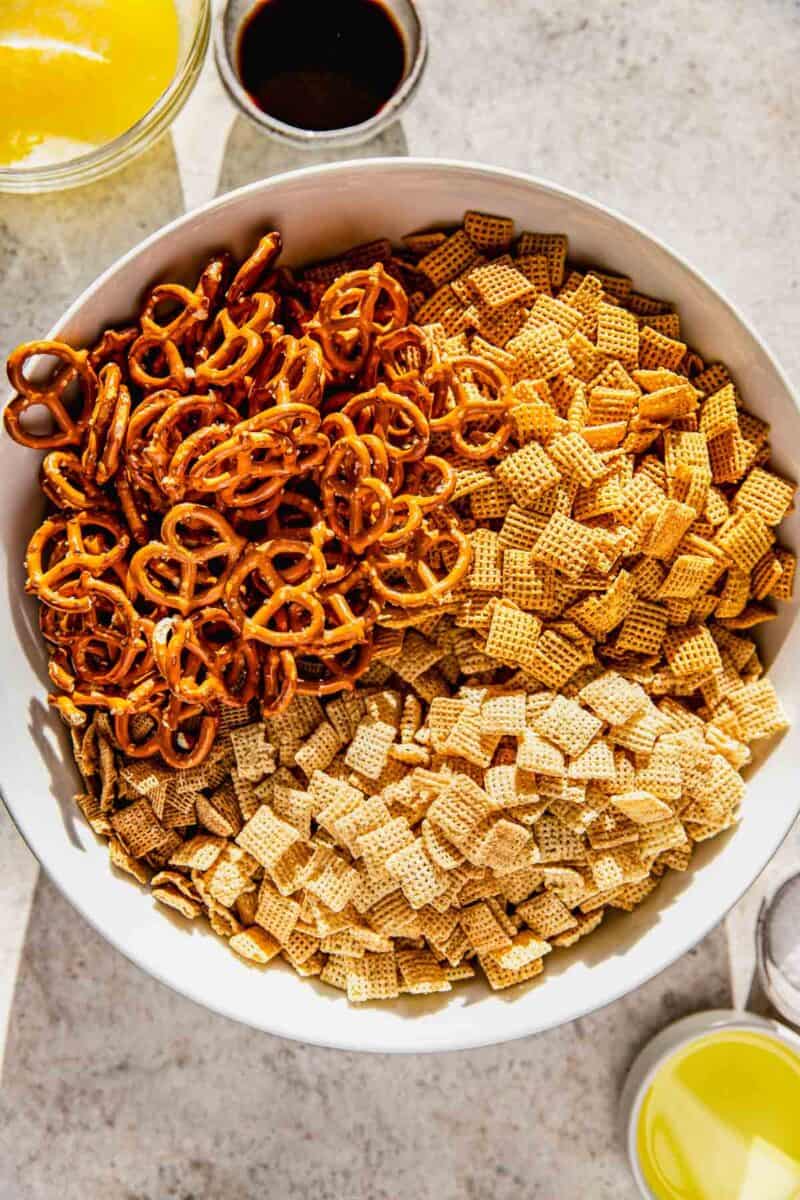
(721, 1121)
(76, 73)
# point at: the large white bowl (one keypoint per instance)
(320, 211)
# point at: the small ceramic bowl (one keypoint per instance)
(662, 1047)
(409, 21)
(194, 26)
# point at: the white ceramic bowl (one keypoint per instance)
(320, 211)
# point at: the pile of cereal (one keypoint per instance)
(539, 742)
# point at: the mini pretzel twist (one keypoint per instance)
(176, 572)
(65, 547)
(108, 424)
(472, 402)
(292, 371)
(207, 643)
(69, 415)
(355, 310)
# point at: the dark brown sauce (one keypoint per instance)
(320, 64)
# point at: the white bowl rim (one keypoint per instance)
(581, 1008)
(669, 1042)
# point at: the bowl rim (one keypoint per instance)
(111, 155)
(461, 1040)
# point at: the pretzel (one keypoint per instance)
(327, 674)
(237, 347)
(291, 372)
(255, 267)
(351, 610)
(69, 418)
(154, 359)
(211, 285)
(105, 434)
(172, 735)
(359, 307)
(170, 428)
(413, 566)
(208, 641)
(108, 637)
(241, 457)
(406, 352)
(395, 419)
(66, 484)
(183, 475)
(65, 547)
(457, 409)
(358, 506)
(188, 583)
(113, 347)
(279, 682)
(130, 508)
(257, 595)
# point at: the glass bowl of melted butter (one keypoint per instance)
(89, 84)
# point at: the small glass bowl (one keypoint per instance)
(194, 22)
(409, 21)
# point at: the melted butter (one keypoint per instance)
(720, 1121)
(80, 72)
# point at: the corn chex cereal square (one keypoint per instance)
(541, 353)
(552, 246)
(691, 650)
(255, 757)
(380, 844)
(537, 755)
(420, 973)
(487, 231)
(546, 915)
(419, 877)
(447, 260)
(565, 545)
(504, 714)
(499, 283)
(368, 753)
(614, 698)
(526, 582)
(595, 762)
(642, 806)
(512, 635)
(644, 628)
(266, 836)
(527, 473)
(568, 725)
(520, 528)
(373, 977)
(525, 948)
(484, 931)
(459, 809)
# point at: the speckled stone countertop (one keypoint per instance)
(683, 116)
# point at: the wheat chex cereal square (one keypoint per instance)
(552, 246)
(489, 232)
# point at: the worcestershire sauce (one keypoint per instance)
(320, 64)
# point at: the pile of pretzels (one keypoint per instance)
(241, 485)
